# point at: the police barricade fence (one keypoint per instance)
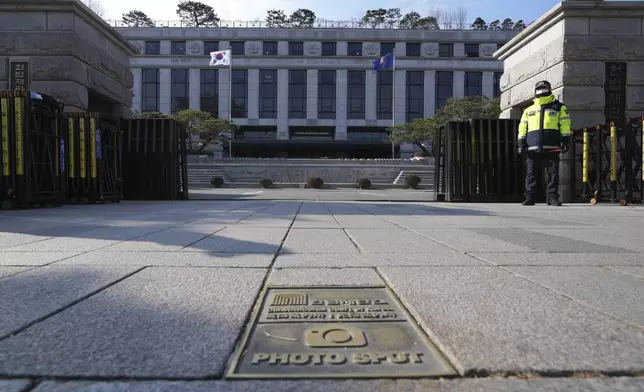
(94, 172)
(32, 150)
(477, 161)
(154, 153)
(608, 162)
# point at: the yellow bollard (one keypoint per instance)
(585, 163)
(4, 142)
(19, 133)
(613, 162)
(92, 146)
(82, 159)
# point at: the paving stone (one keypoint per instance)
(395, 241)
(28, 296)
(547, 242)
(609, 291)
(8, 271)
(33, 258)
(161, 322)
(14, 385)
(635, 271)
(242, 240)
(624, 237)
(621, 384)
(330, 260)
(467, 241)
(324, 277)
(171, 259)
(486, 319)
(9, 240)
(562, 258)
(169, 240)
(318, 241)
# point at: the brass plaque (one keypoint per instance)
(334, 332)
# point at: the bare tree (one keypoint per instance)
(96, 6)
(460, 17)
(438, 14)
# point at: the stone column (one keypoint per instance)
(401, 49)
(224, 92)
(430, 93)
(371, 96)
(399, 104)
(488, 84)
(459, 50)
(165, 90)
(224, 45)
(194, 90)
(459, 84)
(312, 94)
(253, 93)
(165, 47)
(341, 105)
(282, 104)
(137, 89)
(282, 48)
(341, 48)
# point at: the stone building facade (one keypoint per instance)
(570, 46)
(290, 81)
(73, 54)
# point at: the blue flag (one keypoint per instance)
(385, 62)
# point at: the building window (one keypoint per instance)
(444, 87)
(150, 99)
(297, 93)
(415, 95)
(152, 47)
(497, 84)
(471, 50)
(209, 47)
(267, 93)
(354, 48)
(384, 95)
(296, 48)
(387, 47)
(473, 84)
(329, 49)
(209, 97)
(179, 90)
(238, 48)
(445, 50)
(178, 47)
(270, 48)
(356, 94)
(413, 49)
(239, 97)
(326, 94)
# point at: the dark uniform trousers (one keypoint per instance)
(537, 161)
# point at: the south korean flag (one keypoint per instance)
(221, 58)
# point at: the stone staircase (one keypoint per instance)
(426, 178)
(202, 176)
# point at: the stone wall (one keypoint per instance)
(568, 47)
(71, 51)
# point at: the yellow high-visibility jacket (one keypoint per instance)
(545, 125)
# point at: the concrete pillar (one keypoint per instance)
(165, 90)
(371, 96)
(282, 104)
(401, 49)
(282, 48)
(430, 93)
(341, 48)
(312, 94)
(400, 98)
(459, 50)
(341, 105)
(224, 92)
(488, 84)
(137, 89)
(194, 89)
(253, 93)
(459, 84)
(165, 47)
(224, 45)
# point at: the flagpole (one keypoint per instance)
(393, 103)
(230, 102)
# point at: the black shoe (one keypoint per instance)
(553, 201)
(528, 202)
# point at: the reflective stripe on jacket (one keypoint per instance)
(545, 124)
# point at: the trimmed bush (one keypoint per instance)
(266, 183)
(363, 183)
(315, 183)
(217, 182)
(422, 154)
(412, 181)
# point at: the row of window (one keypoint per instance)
(269, 48)
(297, 92)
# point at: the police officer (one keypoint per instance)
(544, 131)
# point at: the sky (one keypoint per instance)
(338, 10)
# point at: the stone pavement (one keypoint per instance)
(155, 296)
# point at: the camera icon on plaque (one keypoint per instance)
(335, 335)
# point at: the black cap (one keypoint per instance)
(542, 89)
(543, 84)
